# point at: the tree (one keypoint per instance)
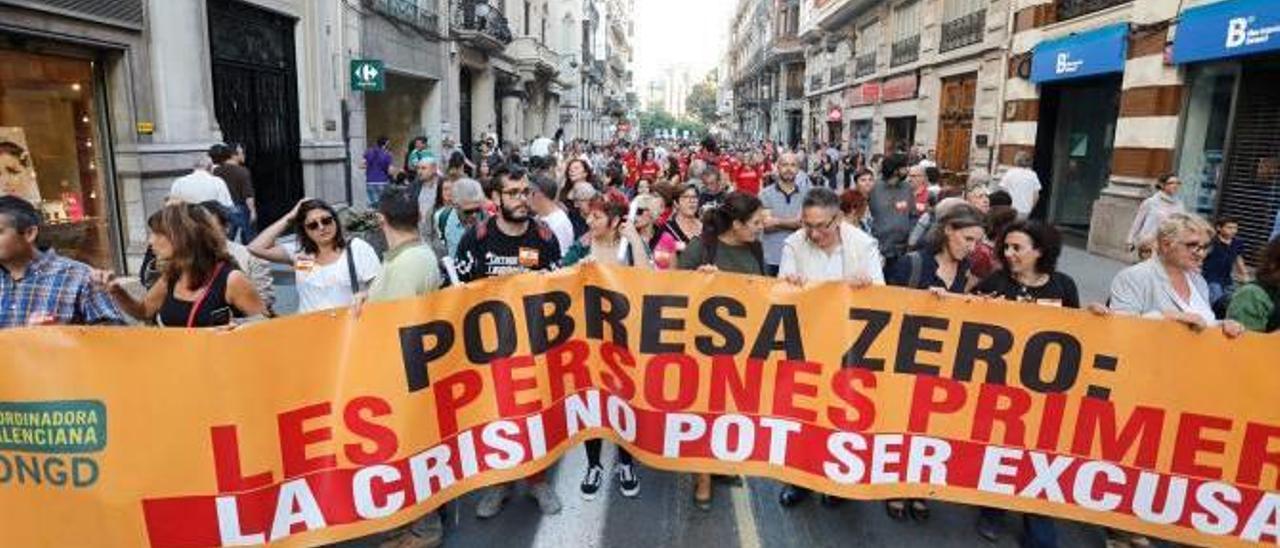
(656, 120)
(701, 102)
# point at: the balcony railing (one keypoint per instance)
(837, 75)
(906, 50)
(480, 17)
(963, 31)
(1070, 9)
(864, 65)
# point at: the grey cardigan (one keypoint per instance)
(1144, 289)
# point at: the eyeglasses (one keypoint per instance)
(642, 210)
(820, 226)
(1196, 246)
(316, 224)
(522, 193)
(467, 213)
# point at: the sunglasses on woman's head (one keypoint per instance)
(316, 224)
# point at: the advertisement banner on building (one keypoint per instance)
(324, 427)
(863, 94)
(900, 88)
(1227, 29)
(1090, 53)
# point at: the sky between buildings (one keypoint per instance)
(692, 33)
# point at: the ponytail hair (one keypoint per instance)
(737, 206)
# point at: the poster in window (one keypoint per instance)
(17, 174)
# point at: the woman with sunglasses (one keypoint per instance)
(661, 244)
(323, 260)
(609, 230)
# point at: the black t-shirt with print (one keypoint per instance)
(485, 251)
(1059, 290)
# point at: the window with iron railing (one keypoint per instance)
(1070, 9)
(815, 82)
(837, 75)
(963, 31)
(905, 51)
(906, 34)
(864, 65)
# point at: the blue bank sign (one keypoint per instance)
(1229, 28)
(1090, 53)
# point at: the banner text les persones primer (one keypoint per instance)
(325, 427)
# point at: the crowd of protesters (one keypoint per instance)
(800, 215)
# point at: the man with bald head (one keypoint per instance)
(783, 201)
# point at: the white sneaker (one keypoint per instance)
(591, 482)
(628, 482)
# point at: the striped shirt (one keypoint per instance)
(54, 290)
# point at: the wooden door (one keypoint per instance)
(955, 128)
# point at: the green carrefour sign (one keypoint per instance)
(367, 75)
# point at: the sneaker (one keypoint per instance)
(591, 483)
(492, 500)
(547, 499)
(628, 482)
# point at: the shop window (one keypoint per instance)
(1204, 135)
(51, 151)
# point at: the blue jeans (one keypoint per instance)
(242, 229)
(374, 191)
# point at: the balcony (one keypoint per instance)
(864, 65)
(479, 24)
(595, 71)
(1070, 9)
(422, 19)
(963, 31)
(906, 50)
(529, 51)
(837, 75)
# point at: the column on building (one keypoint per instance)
(483, 82)
(1146, 131)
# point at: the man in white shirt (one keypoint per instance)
(542, 201)
(201, 186)
(1022, 184)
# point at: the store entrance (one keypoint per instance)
(1074, 141)
(899, 134)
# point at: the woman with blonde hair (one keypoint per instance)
(1169, 284)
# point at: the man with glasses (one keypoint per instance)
(466, 211)
(511, 242)
(826, 248)
(782, 200)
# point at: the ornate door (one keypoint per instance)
(955, 129)
(255, 90)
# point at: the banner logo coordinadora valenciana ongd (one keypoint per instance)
(44, 443)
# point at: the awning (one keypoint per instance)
(1100, 51)
(1227, 29)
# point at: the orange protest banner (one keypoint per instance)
(327, 427)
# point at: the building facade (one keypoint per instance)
(887, 76)
(103, 103)
(1109, 96)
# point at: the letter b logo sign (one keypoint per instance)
(1237, 30)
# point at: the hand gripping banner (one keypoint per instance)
(327, 427)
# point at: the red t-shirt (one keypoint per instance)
(748, 180)
(649, 170)
(633, 171)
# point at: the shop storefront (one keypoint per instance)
(53, 149)
(1229, 152)
(1080, 78)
